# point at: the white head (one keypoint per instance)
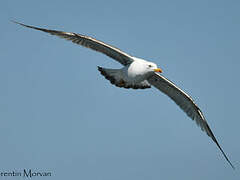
(141, 68)
(152, 67)
(145, 66)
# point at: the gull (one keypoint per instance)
(138, 73)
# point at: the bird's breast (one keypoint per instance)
(134, 72)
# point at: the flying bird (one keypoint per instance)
(138, 73)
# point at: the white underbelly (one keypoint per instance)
(135, 76)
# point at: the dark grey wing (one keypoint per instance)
(186, 103)
(89, 42)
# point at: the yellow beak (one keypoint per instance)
(158, 70)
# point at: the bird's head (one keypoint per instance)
(143, 67)
(153, 67)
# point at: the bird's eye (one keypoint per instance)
(150, 65)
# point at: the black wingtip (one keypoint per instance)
(233, 167)
(225, 156)
(13, 21)
(23, 24)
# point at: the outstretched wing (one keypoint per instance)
(186, 103)
(89, 42)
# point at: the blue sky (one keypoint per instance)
(59, 114)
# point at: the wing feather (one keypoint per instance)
(186, 103)
(89, 42)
